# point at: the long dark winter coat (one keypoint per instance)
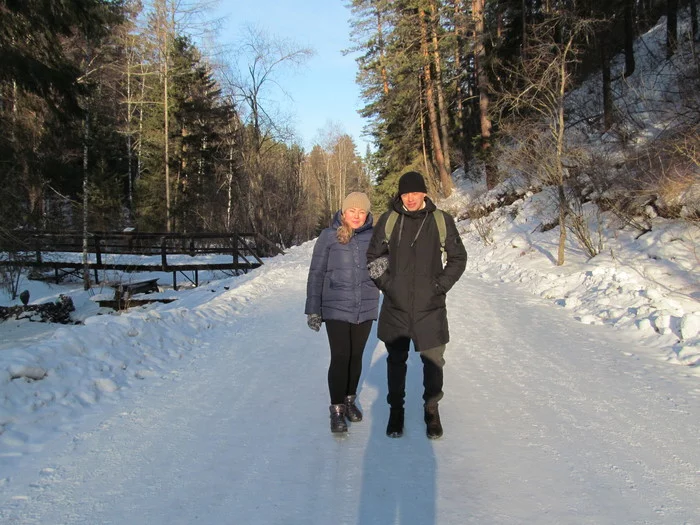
(339, 286)
(415, 284)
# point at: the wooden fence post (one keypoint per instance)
(163, 253)
(235, 251)
(38, 250)
(98, 249)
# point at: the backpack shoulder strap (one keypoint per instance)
(439, 220)
(389, 225)
(442, 229)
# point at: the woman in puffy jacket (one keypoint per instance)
(340, 293)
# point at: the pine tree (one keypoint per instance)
(200, 120)
(42, 96)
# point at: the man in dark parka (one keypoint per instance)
(410, 273)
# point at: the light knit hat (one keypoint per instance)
(356, 199)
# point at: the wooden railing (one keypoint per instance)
(45, 249)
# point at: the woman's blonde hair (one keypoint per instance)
(344, 231)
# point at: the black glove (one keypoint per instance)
(378, 266)
(314, 321)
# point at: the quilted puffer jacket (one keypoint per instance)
(339, 286)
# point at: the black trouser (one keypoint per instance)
(433, 363)
(347, 342)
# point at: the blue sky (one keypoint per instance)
(324, 90)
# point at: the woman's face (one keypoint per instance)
(355, 217)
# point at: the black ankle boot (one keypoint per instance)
(351, 411)
(394, 428)
(433, 426)
(338, 423)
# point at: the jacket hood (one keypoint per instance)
(397, 205)
(337, 221)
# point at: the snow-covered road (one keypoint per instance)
(547, 421)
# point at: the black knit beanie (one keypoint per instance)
(412, 182)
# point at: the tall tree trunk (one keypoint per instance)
(166, 149)
(129, 141)
(629, 38)
(483, 86)
(382, 58)
(523, 27)
(86, 174)
(329, 187)
(13, 132)
(438, 154)
(460, 64)
(671, 27)
(165, 11)
(139, 151)
(423, 134)
(560, 127)
(442, 109)
(562, 225)
(643, 10)
(23, 152)
(86, 200)
(607, 85)
(694, 20)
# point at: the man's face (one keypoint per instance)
(413, 201)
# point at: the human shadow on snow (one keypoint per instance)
(399, 474)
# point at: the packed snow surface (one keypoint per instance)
(214, 409)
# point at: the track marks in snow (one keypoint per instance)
(561, 396)
(545, 422)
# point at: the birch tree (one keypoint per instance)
(169, 19)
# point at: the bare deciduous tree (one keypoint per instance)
(541, 81)
(265, 58)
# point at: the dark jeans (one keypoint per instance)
(347, 342)
(433, 363)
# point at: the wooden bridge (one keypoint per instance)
(105, 250)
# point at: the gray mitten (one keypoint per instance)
(378, 266)
(314, 321)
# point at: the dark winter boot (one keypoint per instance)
(433, 427)
(351, 411)
(338, 423)
(394, 428)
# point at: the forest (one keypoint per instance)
(115, 114)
